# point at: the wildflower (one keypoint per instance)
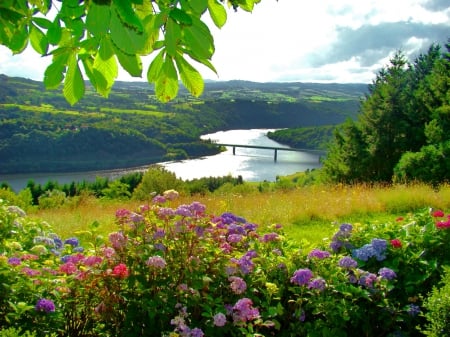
(237, 284)
(156, 262)
(301, 276)
(413, 310)
(159, 199)
(197, 208)
(45, 305)
(183, 210)
(108, 252)
(14, 261)
(16, 210)
(165, 212)
(118, 240)
(443, 224)
(317, 283)
(72, 241)
(347, 262)
(387, 273)
(367, 280)
(319, 254)
(220, 319)
(122, 213)
(120, 270)
(234, 238)
(438, 214)
(269, 237)
(396, 243)
(244, 311)
(196, 332)
(91, 261)
(375, 249)
(68, 268)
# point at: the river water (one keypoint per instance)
(251, 164)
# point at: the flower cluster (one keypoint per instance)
(341, 238)
(376, 248)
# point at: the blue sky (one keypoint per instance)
(303, 40)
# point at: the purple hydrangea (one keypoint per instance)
(196, 332)
(302, 276)
(376, 248)
(14, 261)
(318, 254)
(237, 284)
(347, 262)
(387, 273)
(317, 283)
(72, 241)
(45, 305)
(367, 280)
(156, 262)
(220, 319)
(413, 310)
(244, 311)
(269, 237)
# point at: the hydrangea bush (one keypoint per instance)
(179, 271)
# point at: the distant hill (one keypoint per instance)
(41, 132)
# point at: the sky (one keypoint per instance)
(341, 41)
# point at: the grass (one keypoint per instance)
(308, 213)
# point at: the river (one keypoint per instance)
(251, 164)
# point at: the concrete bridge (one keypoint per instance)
(274, 148)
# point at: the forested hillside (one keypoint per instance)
(41, 132)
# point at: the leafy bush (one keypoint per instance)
(179, 271)
(438, 308)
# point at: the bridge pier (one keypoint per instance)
(275, 156)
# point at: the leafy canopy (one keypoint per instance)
(99, 36)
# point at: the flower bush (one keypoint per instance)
(179, 271)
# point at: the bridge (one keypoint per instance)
(274, 148)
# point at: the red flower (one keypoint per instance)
(400, 218)
(443, 224)
(396, 243)
(120, 270)
(438, 214)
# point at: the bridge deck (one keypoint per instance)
(275, 148)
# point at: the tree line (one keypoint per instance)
(401, 133)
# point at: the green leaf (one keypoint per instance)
(198, 39)
(131, 63)
(38, 40)
(155, 67)
(54, 74)
(190, 77)
(42, 22)
(54, 32)
(19, 40)
(172, 37)
(98, 18)
(217, 12)
(105, 67)
(198, 6)
(205, 62)
(127, 39)
(73, 84)
(166, 86)
(127, 15)
(180, 16)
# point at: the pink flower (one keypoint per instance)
(118, 240)
(156, 262)
(68, 268)
(443, 224)
(237, 284)
(438, 214)
(244, 311)
(120, 270)
(396, 243)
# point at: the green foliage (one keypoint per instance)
(437, 305)
(316, 138)
(100, 35)
(399, 133)
(156, 180)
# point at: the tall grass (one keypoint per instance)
(308, 213)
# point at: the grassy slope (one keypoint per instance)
(310, 213)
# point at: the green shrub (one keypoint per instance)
(438, 308)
